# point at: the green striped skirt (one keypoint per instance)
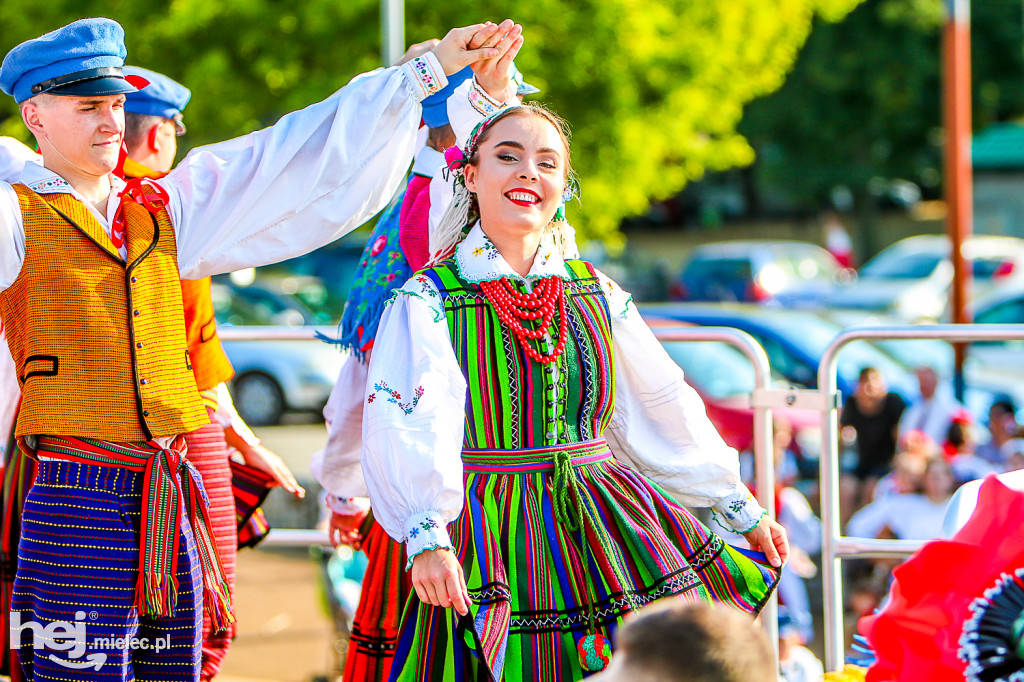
(557, 544)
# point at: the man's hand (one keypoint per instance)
(344, 529)
(464, 46)
(438, 579)
(417, 50)
(494, 75)
(769, 537)
(441, 138)
(270, 462)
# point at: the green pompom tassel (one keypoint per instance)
(595, 653)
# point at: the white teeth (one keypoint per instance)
(523, 196)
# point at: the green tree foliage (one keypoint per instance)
(654, 90)
(864, 100)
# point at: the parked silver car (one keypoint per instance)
(911, 279)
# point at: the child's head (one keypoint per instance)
(682, 642)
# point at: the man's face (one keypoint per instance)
(83, 131)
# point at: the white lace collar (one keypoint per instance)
(478, 260)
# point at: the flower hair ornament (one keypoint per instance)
(463, 212)
(992, 643)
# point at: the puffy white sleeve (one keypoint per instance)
(13, 156)
(338, 467)
(661, 428)
(414, 414)
(312, 177)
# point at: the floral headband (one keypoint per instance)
(457, 158)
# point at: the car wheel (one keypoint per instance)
(259, 399)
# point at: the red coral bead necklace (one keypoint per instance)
(512, 307)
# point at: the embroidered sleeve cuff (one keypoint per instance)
(348, 506)
(424, 531)
(739, 512)
(425, 75)
(484, 104)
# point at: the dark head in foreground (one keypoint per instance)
(674, 641)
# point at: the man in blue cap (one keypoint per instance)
(116, 556)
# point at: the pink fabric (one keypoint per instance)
(414, 222)
(208, 451)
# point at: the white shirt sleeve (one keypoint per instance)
(227, 416)
(13, 157)
(661, 428)
(12, 236)
(10, 391)
(314, 176)
(414, 421)
(338, 467)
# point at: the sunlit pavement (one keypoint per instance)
(284, 630)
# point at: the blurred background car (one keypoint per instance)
(795, 341)
(789, 272)
(275, 377)
(911, 278)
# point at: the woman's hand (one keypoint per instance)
(495, 74)
(464, 46)
(769, 537)
(271, 463)
(438, 580)
(344, 529)
(417, 50)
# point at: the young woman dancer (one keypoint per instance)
(523, 431)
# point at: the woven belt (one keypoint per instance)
(571, 507)
(165, 496)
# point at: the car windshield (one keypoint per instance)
(902, 265)
(718, 269)
(717, 370)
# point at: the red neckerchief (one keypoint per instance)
(151, 201)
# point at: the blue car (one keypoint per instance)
(795, 341)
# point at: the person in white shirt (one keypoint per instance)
(934, 411)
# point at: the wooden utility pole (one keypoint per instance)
(959, 190)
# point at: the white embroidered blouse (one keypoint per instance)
(414, 411)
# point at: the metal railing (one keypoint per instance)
(835, 546)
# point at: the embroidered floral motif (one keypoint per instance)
(487, 247)
(394, 396)
(426, 76)
(484, 104)
(54, 182)
(428, 524)
(414, 532)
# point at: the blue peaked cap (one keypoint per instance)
(435, 107)
(162, 97)
(83, 58)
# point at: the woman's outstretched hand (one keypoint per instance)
(769, 537)
(495, 74)
(438, 580)
(467, 45)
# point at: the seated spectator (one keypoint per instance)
(910, 516)
(1013, 453)
(1002, 427)
(933, 412)
(959, 452)
(676, 641)
(907, 471)
(796, 662)
(787, 471)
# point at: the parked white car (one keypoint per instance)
(911, 279)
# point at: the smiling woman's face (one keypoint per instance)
(519, 175)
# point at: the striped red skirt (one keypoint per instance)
(386, 588)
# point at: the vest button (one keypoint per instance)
(136, 313)
(134, 280)
(145, 413)
(139, 344)
(144, 381)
